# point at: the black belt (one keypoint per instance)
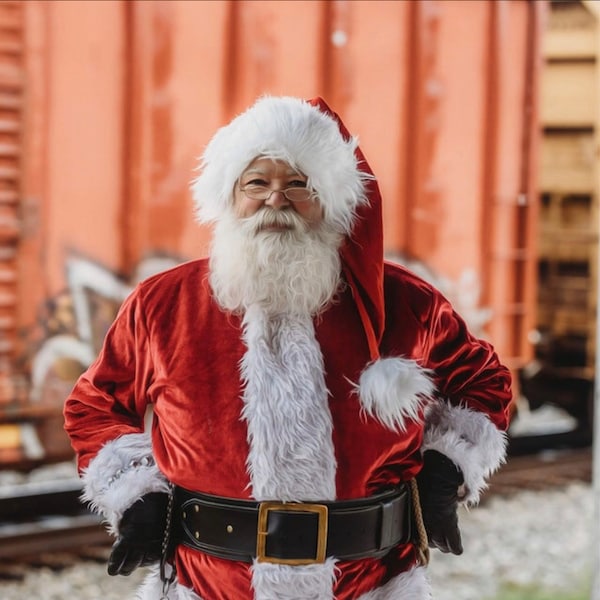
(294, 533)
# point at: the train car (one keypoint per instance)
(106, 106)
(562, 374)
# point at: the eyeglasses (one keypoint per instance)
(263, 193)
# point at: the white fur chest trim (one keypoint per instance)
(291, 455)
(286, 409)
(394, 390)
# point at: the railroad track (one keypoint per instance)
(545, 470)
(45, 524)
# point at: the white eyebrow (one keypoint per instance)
(259, 171)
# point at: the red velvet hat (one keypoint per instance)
(362, 253)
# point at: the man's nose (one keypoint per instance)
(277, 200)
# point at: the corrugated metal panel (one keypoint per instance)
(510, 207)
(12, 99)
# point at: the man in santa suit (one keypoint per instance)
(317, 414)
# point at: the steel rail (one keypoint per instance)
(46, 517)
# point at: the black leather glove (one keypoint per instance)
(141, 532)
(438, 484)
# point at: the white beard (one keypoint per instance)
(283, 272)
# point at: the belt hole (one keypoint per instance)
(184, 515)
(229, 528)
(197, 534)
(196, 508)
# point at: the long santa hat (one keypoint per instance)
(310, 137)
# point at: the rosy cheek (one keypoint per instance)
(245, 208)
(317, 213)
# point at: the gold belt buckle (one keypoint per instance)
(261, 538)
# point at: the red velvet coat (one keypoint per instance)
(174, 349)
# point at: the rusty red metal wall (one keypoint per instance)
(12, 105)
(119, 98)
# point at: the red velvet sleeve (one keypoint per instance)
(109, 399)
(467, 370)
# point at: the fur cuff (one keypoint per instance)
(393, 390)
(119, 475)
(469, 439)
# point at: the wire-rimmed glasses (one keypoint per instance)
(262, 193)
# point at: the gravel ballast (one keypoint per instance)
(537, 539)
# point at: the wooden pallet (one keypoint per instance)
(569, 182)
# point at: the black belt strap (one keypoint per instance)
(292, 533)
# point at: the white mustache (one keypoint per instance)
(267, 217)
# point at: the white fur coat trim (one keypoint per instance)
(291, 455)
(119, 475)
(393, 390)
(282, 582)
(411, 585)
(468, 438)
(286, 408)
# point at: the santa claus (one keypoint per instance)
(317, 414)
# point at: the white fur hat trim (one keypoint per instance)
(292, 130)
